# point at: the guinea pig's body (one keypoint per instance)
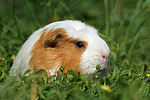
(71, 44)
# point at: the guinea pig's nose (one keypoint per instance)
(103, 56)
(104, 62)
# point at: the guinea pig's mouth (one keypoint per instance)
(100, 71)
(99, 68)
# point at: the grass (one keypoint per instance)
(123, 24)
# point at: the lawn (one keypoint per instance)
(123, 24)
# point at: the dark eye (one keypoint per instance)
(79, 45)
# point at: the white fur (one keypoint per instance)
(21, 64)
(92, 56)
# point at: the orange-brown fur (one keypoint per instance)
(64, 54)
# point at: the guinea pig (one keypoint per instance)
(70, 43)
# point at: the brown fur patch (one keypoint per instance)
(64, 54)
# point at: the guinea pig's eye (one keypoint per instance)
(79, 45)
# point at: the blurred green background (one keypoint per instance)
(123, 24)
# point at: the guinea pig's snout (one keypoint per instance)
(104, 62)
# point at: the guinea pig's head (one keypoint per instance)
(71, 44)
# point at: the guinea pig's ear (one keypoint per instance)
(52, 43)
